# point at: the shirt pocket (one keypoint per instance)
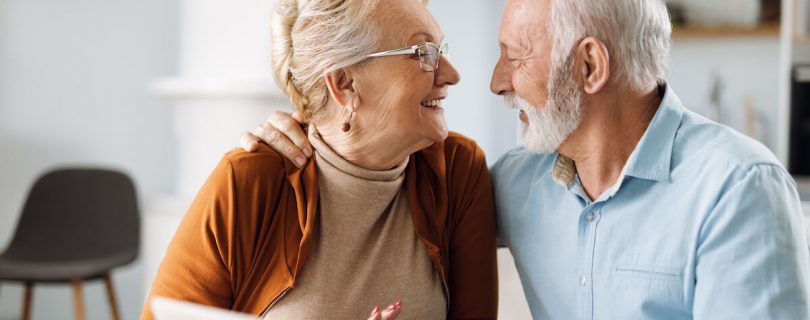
(656, 288)
(650, 272)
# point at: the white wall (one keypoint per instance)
(749, 67)
(74, 81)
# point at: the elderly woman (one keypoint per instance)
(391, 211)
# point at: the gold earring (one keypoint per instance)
(347, 125)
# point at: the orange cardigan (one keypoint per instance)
(249, 231)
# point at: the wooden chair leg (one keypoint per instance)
(26, 309)
(79, 299)
(111, 296)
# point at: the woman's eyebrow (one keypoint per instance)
(426, 35)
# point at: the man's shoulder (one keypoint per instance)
(521, 164)
(521, 157)
(706, 143)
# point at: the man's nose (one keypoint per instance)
(501, 83)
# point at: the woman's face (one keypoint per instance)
(397, 99)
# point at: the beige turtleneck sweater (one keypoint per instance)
(367, 252)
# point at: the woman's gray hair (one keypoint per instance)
(314, 37)
(637, 34)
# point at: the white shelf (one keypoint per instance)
(765, 30)
(184, 87)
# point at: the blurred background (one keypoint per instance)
(160, 89)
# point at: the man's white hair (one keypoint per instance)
(637, 34)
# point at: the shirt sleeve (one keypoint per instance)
(500, 175)
(752, 258)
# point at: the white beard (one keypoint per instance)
(551, 124)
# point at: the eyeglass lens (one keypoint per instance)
(429, 57)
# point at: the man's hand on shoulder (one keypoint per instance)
(282, 131)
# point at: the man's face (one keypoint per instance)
(526, 47)
(546, 94)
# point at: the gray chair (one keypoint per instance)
(77, 224)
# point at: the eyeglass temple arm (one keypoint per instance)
(394, 52)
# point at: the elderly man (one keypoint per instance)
(623, 204)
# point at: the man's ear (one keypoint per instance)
(592, 64)
(341, 87)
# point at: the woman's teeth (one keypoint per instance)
(432, 103)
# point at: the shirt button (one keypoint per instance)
(583, 281)
(591, 216)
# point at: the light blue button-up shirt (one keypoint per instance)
(704, 223)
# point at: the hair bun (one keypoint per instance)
(314, 37)
(285, 16)
(288, 8)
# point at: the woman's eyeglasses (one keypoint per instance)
(428, 53)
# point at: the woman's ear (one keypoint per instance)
(593, 64)
(341, 87)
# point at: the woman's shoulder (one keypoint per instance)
(456, 157)
(459, 149)
(262, 158)
(246, 181)
(456, 140)
(261, 165)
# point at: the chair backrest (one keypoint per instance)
(75, 214)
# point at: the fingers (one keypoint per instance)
(290, 126)
(249, 142)
(298, 117)
(276, 140)
(391, 312)
(375, 314)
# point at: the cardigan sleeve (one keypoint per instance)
(473, 276)
(199, 259)
(211, 251)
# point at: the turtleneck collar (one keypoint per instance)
(325, 153)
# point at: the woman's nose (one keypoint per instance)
(446, 75)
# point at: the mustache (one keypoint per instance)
(513, 101)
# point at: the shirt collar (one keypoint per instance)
(653, 156)
(651, 160)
